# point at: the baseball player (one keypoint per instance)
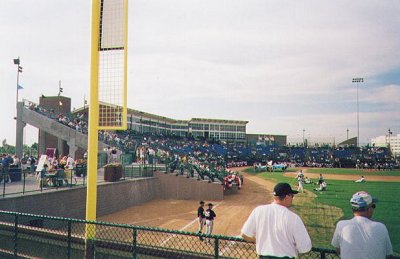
(202, 218)
(210, 215)
(300, 180)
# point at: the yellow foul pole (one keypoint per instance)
(91, 195)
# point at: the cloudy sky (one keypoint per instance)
(284, 66)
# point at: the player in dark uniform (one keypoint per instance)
(201, 218)
(210, 215)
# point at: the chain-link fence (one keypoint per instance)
(33, 236)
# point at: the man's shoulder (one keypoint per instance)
(274, 208)
(344, 222)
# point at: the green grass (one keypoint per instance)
(352, 171)
(320, 211)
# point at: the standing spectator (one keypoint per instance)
(6, 165)
(70, 162)
(210, 215)
(360, 237)
(69, 167)
(114, 156)
(202, 218)
(16, 162)
(31, 162)
(42, 176)
(276, 230)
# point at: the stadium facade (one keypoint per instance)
(384, 141)
(198, 128)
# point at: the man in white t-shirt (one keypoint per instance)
(360, 237)
(276, 230)
(70, 162)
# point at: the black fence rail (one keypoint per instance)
(29, 182)
(34, 236)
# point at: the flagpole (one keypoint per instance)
(19, 135)
(17, 62)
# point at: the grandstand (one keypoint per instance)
(71, 128)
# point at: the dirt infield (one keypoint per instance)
(375, 178)
(182, 214)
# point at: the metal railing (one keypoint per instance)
(28, 182)
(27, 235)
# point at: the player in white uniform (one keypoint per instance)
(210, 215)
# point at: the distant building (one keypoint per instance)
(198, 128)
(383, 141)
(351, 142)
(266, 139)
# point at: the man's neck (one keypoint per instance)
(280, 202)
(362, 214)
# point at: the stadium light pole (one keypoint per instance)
(358, 80)
(389, 133)
(304, 144)
(347, 134)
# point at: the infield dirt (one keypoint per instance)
(231, 212)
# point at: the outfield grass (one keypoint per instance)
(320, 211)
(352, 171)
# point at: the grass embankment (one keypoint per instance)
(321, 210)
(353, 171)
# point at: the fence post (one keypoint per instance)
(23, 188)
(123, 171)
(322, 254)
(69, 239)
(216, 248)
(72, 172)
(134, 244)
(16, 236)
(4, 182)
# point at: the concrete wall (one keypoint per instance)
(113, 197)
(183, 188)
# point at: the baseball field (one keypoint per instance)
(320, 210)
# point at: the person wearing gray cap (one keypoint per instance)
(277, 231)
(360, 237)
